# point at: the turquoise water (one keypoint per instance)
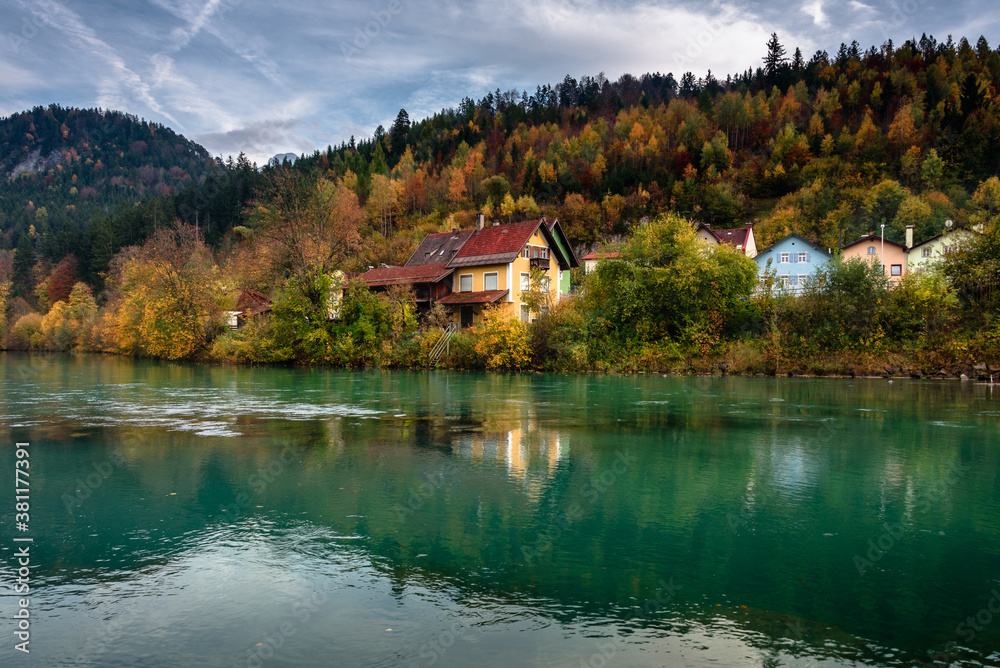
(211, 516)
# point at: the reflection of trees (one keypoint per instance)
(494, 461)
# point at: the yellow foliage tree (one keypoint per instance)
(501, 342)
(163, 296)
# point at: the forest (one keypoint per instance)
(830, 147)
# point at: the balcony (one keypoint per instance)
(540, 262)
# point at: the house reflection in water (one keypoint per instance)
(530, 453)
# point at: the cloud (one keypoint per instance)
(119, 85)
(208, 17)
(862, 9)
(12, 76)
(180, 93)
(218, 69)
(259, 140)
(815, 10)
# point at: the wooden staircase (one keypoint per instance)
(443, 345)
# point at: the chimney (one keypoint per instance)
(480, 221)
(909, 237)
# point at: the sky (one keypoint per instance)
(265, 78)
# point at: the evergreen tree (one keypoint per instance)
(398, 135)
(775, 59)
(24, 262)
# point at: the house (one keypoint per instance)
(740, 238)
(873, 248)
(793, 260)
(250, 303)
(928, 254)
(591, 260)
(469, 270)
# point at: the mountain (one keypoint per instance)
(280, 158)
(61, 166)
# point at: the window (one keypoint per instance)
(490, 281)
(803, 257)
(525, 314)
(896, 270)
(543, 253)
(534, 251)
(784, 278)
(465, 283)
(793, 280)
(545, 284)
(785, 258)
(802, 279)
(526, 252)
(525, 282)
(926, 252)
(871, 250)
(947, 249)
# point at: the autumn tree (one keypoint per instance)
(313, 225)
(163, 296)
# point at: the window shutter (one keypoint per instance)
(794, 279)
(808, 257)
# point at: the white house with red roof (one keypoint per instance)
(740, 238)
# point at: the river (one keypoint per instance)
(188, 515)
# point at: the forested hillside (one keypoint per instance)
(830, 146)
(60, 168)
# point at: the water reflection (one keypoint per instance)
(693, 519)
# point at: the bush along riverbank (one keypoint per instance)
(670, 304)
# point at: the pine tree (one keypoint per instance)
(775, 59)
(398, 134)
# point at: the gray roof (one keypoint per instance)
(439, 248)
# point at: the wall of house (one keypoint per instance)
(523, 265)
(750, 249)
(510, 305)
(894, 255)
(936, 248)
(478, 277)
(815, 259)
(707, 237)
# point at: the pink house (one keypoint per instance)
(889, 254)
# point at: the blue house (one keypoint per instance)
(792, 259)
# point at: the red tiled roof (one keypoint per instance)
(485, 297)
(498, 241)
(601, 256)
(252, 302)
(427, 273)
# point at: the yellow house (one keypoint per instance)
(469, 270)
